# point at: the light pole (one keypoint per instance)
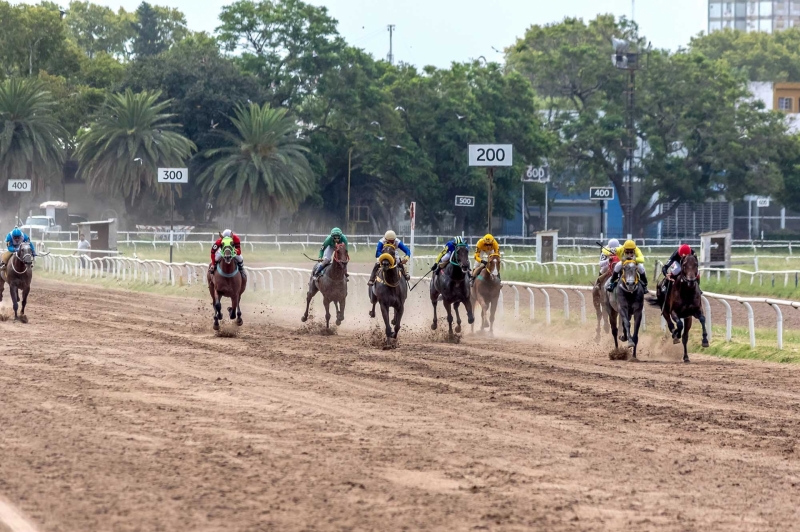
(624, 59)
(349, 159)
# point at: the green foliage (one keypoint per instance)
(30, 135)
(156, 29)
(97, 29)
(129, 139)
(263, 167)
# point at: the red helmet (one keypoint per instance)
(684, 250)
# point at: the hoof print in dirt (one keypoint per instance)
(619, 354)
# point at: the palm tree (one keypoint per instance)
(129, 139)
(31, 139)
(264, 165)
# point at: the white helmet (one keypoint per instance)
(390, 235)
(227, 233)
(613, 244)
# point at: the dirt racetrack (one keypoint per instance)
(122, 411)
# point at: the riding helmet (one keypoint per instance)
(488, 238)
(336, 232)
(630, 245)
(16, 233)
(390, 235)
(684, 250)
(613, 244)
(227, 233)
(458, 241)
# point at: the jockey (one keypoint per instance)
(606, 253)
(326, 252)
(673, 266)
(444, 256)
(216, 252)
(629, 251)
(391, 239)
(14, 239)
(487, 245)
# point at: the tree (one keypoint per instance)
(157, 28)
(289, 44)
(31, 139)
(263, 167)
(129, 139)
(31, 36)
(698, 134)
(97, 29)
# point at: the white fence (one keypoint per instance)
(264, 279)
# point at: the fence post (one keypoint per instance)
(516, 301)
(779, 325)
(530, 303)
(707, 306)
(728, 320)
(583, 305)
(546, 306)
(751, 324)
(566, 303)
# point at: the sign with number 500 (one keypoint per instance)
(173, 175)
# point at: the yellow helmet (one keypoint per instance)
(629, 245)
(488, 238)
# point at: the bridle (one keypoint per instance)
(682, 275)
(26, 259)
(624, 284)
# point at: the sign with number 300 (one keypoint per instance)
(173, 175)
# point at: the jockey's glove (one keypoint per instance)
(484, 262)
(433, 268)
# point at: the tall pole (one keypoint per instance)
(349, 160)
(523, 210)
(171, 222)
(630, 149)
(490, 175)
(546, 205)
(391, 54)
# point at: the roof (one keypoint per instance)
(54, 204)
(98, 222)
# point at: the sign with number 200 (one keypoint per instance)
(173, 175)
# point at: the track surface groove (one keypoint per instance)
(121, 411)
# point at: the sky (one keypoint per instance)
(438, 32)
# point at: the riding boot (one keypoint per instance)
(643, 280)
(241, 270)
(373, 274)
(698, 285)
(212, 268)
(612, 283)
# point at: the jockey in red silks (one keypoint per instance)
(216, 252)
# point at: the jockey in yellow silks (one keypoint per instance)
(487, 245)
(628, 251)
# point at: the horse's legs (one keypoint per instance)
(14, 298)
(327, 303)
(458, 316)
(470, 315)
(702, 319)
(237, 309)
(626, 325)
(434, 302)
(637, 316)
(484, 308)
(373, 299)
(312, 291)
(676, 334)
(687, 328)
(340, 318)
(2, 288)
(386, 321)
(398, 315)
(448, 308)
(598, 310)
(492, 311)
(27, 290)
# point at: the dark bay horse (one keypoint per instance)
(390, 291)
(600, 299)
(451, 283)
(227, 281)
(486, 291)
(630, 302)
(333, 285)
(681, 303)
(18, 274)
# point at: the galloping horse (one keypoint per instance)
(601, 302)
(682, 302)
(630, 300)
(227, 281)
(18, 274)
(333, 285)
(452, 284)
(390, 291)
(486, 291)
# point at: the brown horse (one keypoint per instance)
(486, 291)
(390, 291)
(333, 285)
(227, 281)
(18, 274)
(681, 303)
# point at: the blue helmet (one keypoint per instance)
(16, 233)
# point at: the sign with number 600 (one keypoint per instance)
(173, 175)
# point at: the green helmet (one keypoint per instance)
(336, 232)
(458, 241)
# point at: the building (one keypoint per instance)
(783, 97)
(750, 15)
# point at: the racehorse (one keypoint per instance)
(18, 274)
(227, 281)
(452, 284)
(390, 291)
(486, 291)
(630, 301)
(600, 299)
(681, 303)
(333, 285)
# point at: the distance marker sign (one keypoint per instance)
(173, 175)
(19, 185)
(601, 193)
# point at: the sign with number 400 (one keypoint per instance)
(173, 175)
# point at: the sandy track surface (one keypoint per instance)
(121, 411)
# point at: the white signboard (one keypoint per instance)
(491, 154)
(173, 175)
(601, 193)
(762, 202)
(533, 174)
(19, 185)
(465, 201)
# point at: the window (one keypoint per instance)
(765, 9)
(752, 9)
(715, 10)
(727, 10)
(741, 9)
(714, 25)
(795, 8)
(741, 25)
(785, 104)
(765, 25)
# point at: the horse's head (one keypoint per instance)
(340, 254)
(228, 250)
(386, 260)
(493, 265)
(25, 253)
(460, 257)
(630, 275)
(689, 269)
